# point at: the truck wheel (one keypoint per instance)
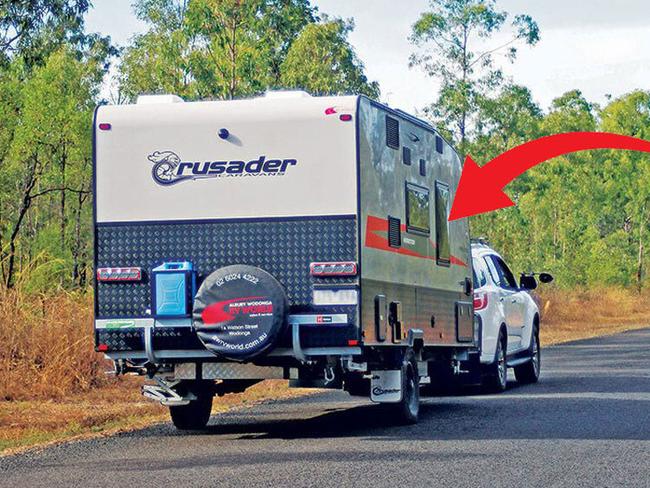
(497, 377)
(529, 372)
(193, 416)
(408, 409)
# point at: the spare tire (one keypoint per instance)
(239, 312)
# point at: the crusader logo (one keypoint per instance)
(168, 169)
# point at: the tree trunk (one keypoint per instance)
(62, 215)
(233, 58)
(639, 267)
(76, 251)
(30, 182)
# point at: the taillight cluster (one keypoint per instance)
(480, 301)
(346, 268)
(119, 274)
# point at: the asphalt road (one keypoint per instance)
(587, 423)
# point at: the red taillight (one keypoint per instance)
(119, 274)
(330, 111)
(353, 342)
(347, 268)
(104, 126)
(480, 301)
(102, 348)
(345, 117)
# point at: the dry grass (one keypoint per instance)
(53, 386)
(580, 314)
(46, 346)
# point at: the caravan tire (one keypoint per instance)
(239, 312)
(408, 409)
(193, 416)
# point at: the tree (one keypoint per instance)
(158, 60)
(211, 48)
(48, 161)
(504, 121)
(322, 61)
(626, 175)
(35, 28)
(449, 37)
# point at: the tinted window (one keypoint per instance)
(417, 209)
(479, 275)
(504, 277)
(406, 155)
(443, 247)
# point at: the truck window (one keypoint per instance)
(417, 209)
(501, 274)
(507, 278)
(478, 275)
(443, 247)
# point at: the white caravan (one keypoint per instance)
(290, 236)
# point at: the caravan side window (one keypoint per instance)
(417, 209)
(443, 247)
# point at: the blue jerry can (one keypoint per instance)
(173, 286)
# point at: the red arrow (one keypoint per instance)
(480, 189)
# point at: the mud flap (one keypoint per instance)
(386, 386)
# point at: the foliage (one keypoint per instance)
(322, 61)
(451, 38)
(583, 216)
(225, 49)
(46, 167)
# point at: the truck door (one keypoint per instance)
(512, 299)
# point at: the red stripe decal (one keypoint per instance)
(377, 238)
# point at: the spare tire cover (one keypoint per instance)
(239, 311)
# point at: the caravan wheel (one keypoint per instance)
(193, 416)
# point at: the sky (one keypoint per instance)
(601, 47)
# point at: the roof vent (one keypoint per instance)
(281, 94)
(392, 132)
(155, 99)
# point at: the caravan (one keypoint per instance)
(294, 237)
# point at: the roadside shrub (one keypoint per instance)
(46, 345)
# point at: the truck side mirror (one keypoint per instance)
(527, 282)
(546, 277)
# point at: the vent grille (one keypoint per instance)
(439, 145)
(392, 132)
(394, 232)
(423, 167)
(406, 155)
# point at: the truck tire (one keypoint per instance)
(408, 409)
(239, 312)
(496, 379)
(529, 371)
(193, 416)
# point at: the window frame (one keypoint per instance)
(442, 261)
(411, 229)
